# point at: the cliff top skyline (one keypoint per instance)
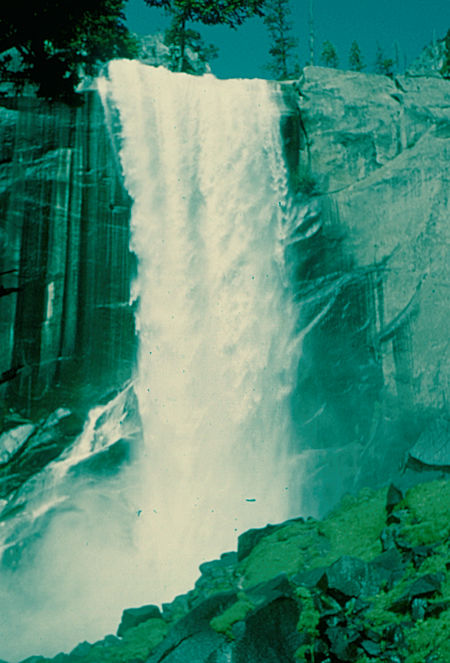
(394, 24)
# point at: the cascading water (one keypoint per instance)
(203, 163)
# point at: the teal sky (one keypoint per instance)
(243, 52)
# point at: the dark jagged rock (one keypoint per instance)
(45, 442)
(131, 617)
(267, 592)
(348, 577)
(425, 586)
(388, 567)
(270, 634)
(192, 638)
(393, 499)
(432, 449)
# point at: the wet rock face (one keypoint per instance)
(373, 274)
(65, 266)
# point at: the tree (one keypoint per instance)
(58, 40)
(329, 55)
(312, 36)
(208, 12)
(383, 65)
(445, 69)
(284, 62)
(355, 58)
(179, 39)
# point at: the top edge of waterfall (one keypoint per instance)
(206, 76)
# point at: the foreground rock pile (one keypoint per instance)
(368, 583)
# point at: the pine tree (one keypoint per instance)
(383, 65)
(445, 70)
(209, 12)
(355, 59)
(329, 55)
(284, 63)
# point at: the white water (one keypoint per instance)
(203, 163)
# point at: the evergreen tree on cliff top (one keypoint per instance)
(355, 58)
(58, 39)
(284, 63)
(329, 55)
(445, 71)
(209, 12)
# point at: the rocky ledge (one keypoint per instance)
(370, 582)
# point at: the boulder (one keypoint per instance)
(348, 577)
(133, 616)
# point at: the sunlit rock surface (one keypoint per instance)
(373, 278)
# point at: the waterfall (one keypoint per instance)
(204, 166)
(203, 163)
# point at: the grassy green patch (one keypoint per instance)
(427, 519)
(287, 550)
(354, 528)
(430, 636)
(235, 613)
(136, 645)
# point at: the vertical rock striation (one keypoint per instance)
(67, 329)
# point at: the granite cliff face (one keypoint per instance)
(369, 159)
(66, 330)
(373, 281)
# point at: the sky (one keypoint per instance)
(243, 52)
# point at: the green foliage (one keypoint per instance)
(329, 56)
(354, 58)
(209, 12)
(355, 526)
(235, 613)
(445, 70)
(137, 644)
(284, 61)
(288, 550)
(427, 517)
(383, 65)
(58, 39)
(179, 39)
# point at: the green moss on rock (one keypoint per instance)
(136, 645)
(427, 506)
(287, 550)
(235, 613)
(354, 528)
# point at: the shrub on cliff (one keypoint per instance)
(58, 40)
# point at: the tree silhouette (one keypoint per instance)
(329, 55)
(383, 65)
(284, 61)
(445, 70)
(209, 12)
(56, 39)
(355, 59)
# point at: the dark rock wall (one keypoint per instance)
(66, 325)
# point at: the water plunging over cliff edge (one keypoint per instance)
(203, 162)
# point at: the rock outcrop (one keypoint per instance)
(372, 255)
(369, 583)
(66, 326)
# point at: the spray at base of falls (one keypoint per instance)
(203, 163)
